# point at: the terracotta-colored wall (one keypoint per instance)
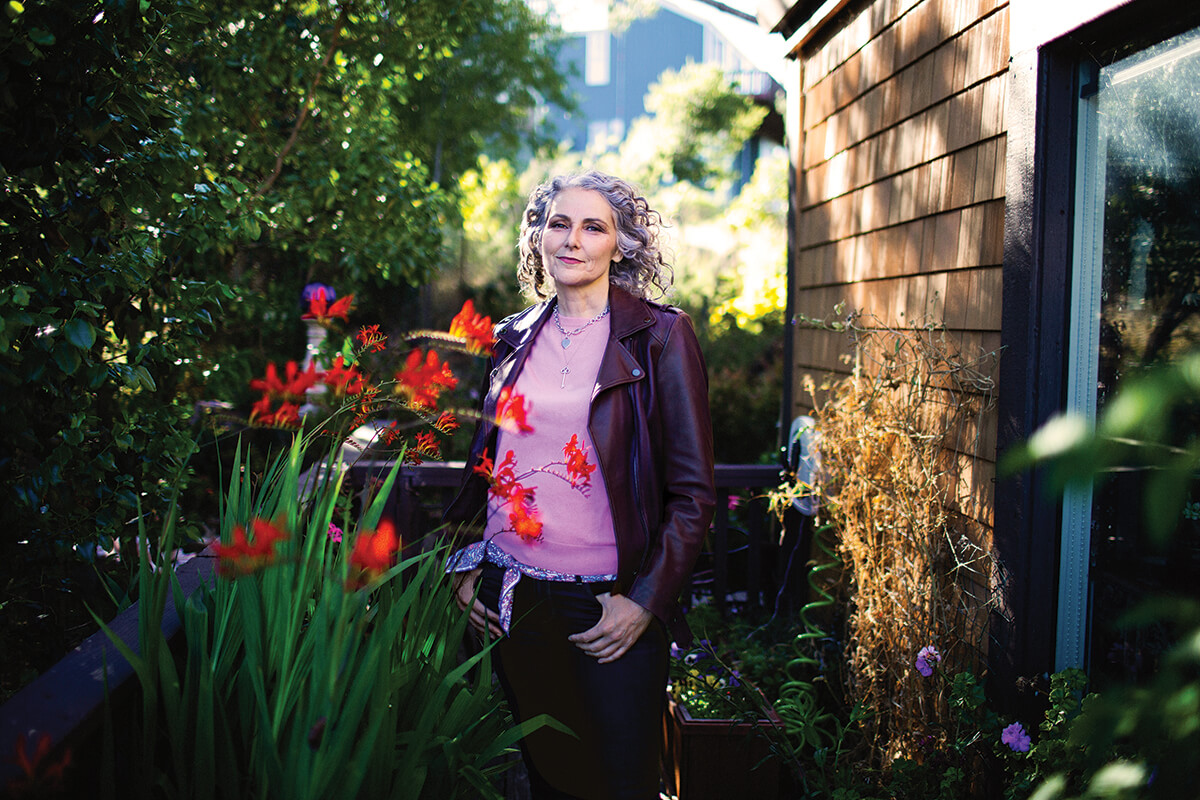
(901, 184)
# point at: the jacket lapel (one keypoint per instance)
(629, 315)
(516, 337)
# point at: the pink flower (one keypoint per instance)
(926, 659)
(1015, 737)
(335, 533)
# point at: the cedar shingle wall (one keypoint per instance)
(901, 183)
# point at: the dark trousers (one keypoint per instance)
(615, 709)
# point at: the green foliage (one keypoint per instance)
(735, 665)
(745, 383)
(699, 123)
(1137, 430)
(1131, 741)
(350, 125)
(99, 328)
(1127, 741)
(493, 201)
(298, 683)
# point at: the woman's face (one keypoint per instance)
(579, 242)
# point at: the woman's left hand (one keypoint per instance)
(622, 622)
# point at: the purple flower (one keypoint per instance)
(1015, 737)
(311, 290)
(675, 651)
(335, 533)
(926, 659)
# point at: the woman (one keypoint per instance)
(586, 546)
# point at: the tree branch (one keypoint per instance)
(308, 104)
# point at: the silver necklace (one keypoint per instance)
(566, 340)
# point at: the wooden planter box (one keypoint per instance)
(714, 759)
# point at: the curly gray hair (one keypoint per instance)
(642, 268)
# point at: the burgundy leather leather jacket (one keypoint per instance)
(649, 422)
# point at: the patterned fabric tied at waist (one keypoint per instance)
(473, 555)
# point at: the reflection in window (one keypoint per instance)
(1148, 115)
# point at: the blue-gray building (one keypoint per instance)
(613, 66)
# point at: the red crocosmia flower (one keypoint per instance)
(447, 423)
(485, 466)
(373, 554)
(366, 406)
(323, 312)
(429, 445)
(525, 522)
(40, 775)
(512, 412)
(293, 387)
(390, 435)
(286, 416)
(579, 471)
(262, 408)
(475, 330)
(242, 556)
(521, 496)
(504, 477)
(507, 490)
(344, 380)
(370, 339)
(423, 378)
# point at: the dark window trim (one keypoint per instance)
(1035, 312)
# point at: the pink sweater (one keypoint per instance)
(577, 530)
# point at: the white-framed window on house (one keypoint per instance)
(1135, 303)
(597, 68)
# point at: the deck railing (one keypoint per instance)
(747, 560)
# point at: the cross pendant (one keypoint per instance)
(564, 372)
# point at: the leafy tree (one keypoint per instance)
(173, 174)
(492, 205)
(98, 323)
(699, 123)
(349, 123)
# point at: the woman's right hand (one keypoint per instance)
(485, 621)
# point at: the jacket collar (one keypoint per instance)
(629, 315)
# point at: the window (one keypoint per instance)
(605, 135)
(597, 58)
(1135, 303)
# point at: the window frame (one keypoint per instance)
(1049, 72)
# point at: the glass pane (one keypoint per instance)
(1149, 113)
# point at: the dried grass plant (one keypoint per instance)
(899, 437)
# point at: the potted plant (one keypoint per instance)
(719, 716)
